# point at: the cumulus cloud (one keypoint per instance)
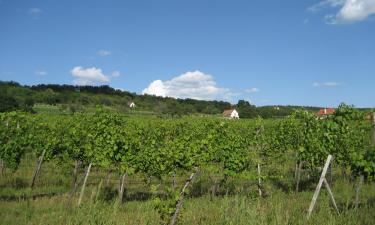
(157, 88)
(88, 76)
(355, 10)
(35, 12)
(195, 85)
(350, 10)
(252, 90)
(326, 84)
(104, 53)
(326, 3)
(40, 72)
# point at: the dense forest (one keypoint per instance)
(14, 96)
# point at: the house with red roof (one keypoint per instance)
(325, 112)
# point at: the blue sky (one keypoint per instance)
(305, 52)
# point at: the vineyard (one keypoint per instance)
(108, 161)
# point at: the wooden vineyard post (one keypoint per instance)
(181, 198)
(299, 170)
(296, 167)
(213, 188)
(173, 181)
(75, 179)
(122, 187)
(330, 193)
(1, 167)
(75, 173)
(357, 191)
(330, 174)
(37, 170)
(259, 182)
(108, 177)
(84, 184)
(318, 187)
(98, 190)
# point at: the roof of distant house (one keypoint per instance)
(325, 111)
(228, 112)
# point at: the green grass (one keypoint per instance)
(48, 202)
(280, 208)
(49, 109)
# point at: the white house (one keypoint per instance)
(231, 113)
(132, 105)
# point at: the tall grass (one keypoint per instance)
(48, 202)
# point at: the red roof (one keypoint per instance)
(325, 112)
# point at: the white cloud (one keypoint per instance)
(326, 3)
(350, 10)
(326, 84)
(116, 73)
(88, 76)
(40, 72)
(35, 12)
(104, 53)
(252, 90)
(355, 10)
(196, 85)
(157, 88)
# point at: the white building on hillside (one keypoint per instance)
(231, 113)
(131, 105)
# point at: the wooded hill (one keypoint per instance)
(70, 98)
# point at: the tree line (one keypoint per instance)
(14, 96)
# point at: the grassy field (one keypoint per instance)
(48, 202)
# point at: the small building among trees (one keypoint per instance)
(231, 114)
(325, 112)
(131, 104)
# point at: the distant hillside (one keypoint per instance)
(69, 98)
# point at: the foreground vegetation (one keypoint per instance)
(48, 202)
(252, 168)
